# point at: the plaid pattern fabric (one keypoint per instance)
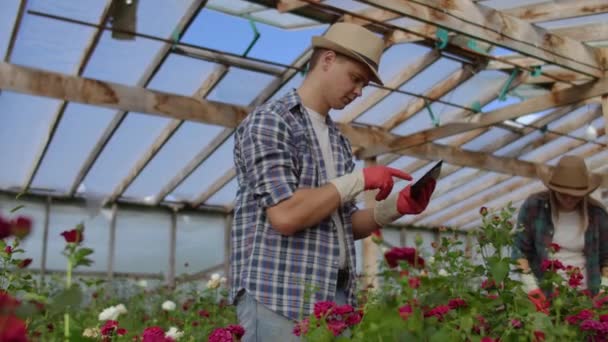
(276, 152)
(537, 235)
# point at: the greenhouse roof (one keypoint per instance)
(497, 89)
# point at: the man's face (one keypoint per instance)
(345, 80)
(567, 202)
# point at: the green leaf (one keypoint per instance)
(17, 208)
(499, 269)
(442, 335)
(466, 323)
(66, 299)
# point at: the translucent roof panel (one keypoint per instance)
(514, 148)
(8, 15)
(468, 92)
(398, 57)
(50, 44)
(282, 19)
(234, 6)
(226, 195)
(231, 89)
(206, 173)
(294, 82)
(349, 5)
(160, 18)
(80, 128)
(183, 146)
(131, 139)
(121, 61)
(25, 122)
(181, 75)
(133, 255)
(493, 134)
(89, 11)
(504, 4)
(432, 75)
(403, 162)
(291, 43)
(576, 21)
(200, 242)
(421, 120)
(389, 106)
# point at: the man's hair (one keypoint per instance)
(316, 56)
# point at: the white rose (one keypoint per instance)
(215, 277)
(443, 273)
(109, 314)
(90, 332)
(142, 283)
(121, 308)
(431, 260)
(168, 305)
(174, 333)
(223, 280)
(213, 284)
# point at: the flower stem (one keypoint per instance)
(66, 316)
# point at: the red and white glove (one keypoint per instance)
(402, 203)
(370, 178)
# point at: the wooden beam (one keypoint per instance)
(379, 94)
(536, 104)
(48, 138)
(164, 136)
(584, 33)
(494, 27)
(605, 110)
(557, 9)
(143, 81)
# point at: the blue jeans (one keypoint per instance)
(264, 325)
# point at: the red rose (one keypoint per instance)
(236, 330)
(414, 282)
(12, 329)
(73, 236)
(5, 228)
(408, 254)
(323, 308)
(553, 247)
(220, 335)
(24, 263)
(155, 334)
(405, 311)
(8, 250)
(483, 211)
(21, 227)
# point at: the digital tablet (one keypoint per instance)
(433, 173)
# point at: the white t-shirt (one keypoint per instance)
(322, 132)
(569, 234)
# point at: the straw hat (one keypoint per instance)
(354, 41)
(571, 177)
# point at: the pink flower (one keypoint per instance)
(489, 339)
(203, 313)
(576, 278)
(301, 328)
(517, 324)
(483, 211)
(554, 265)
(598, 303)
(323, 308)
(73, 236)
(457, 303)
(21, 227)
(220, 335)
(553, 247)
(155, 334)
(13, 330)
(604, 318)
(336, 326)
(342, 309)
(236, 330)
(405, 311)
(414, 282)
(8, 250)
(408, 254)
(109, 327)
(438, 311)
(581, 316)
(354, 318)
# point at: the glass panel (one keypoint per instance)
(226, 195)
(503, 4)
(131, 139)
(121, 61)
(96, 235)
(25, 121)
(294, 82)
(32, 245)
(136, 232)
(206, 173)
(239, 6)
(399, 57)
(200, 242)
(89, 11)
(183, 146)
(181, 75)
(8, 14)
(419, 121)
(283, 19)
(231, 89)
(349, 5)
(577, 21)
(432, 75)
(495, 133)
(50, 44)
(385, 109)
(515, 147)
(78, 131)
(159, 17)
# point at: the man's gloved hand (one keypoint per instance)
(403, 203)
(370, 178)
(535, 294)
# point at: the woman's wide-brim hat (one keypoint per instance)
(571, 177)
(356, 42)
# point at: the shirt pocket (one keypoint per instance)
(304, 160)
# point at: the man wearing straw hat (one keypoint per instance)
(566, 215)
(295, 218)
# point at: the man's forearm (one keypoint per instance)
(363, 223)
(304, 209)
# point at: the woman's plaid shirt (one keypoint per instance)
(276, 152)
(531, 243)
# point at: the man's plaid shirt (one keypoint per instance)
(276, 152)
(538, 230)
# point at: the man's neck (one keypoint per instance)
(311, 98)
